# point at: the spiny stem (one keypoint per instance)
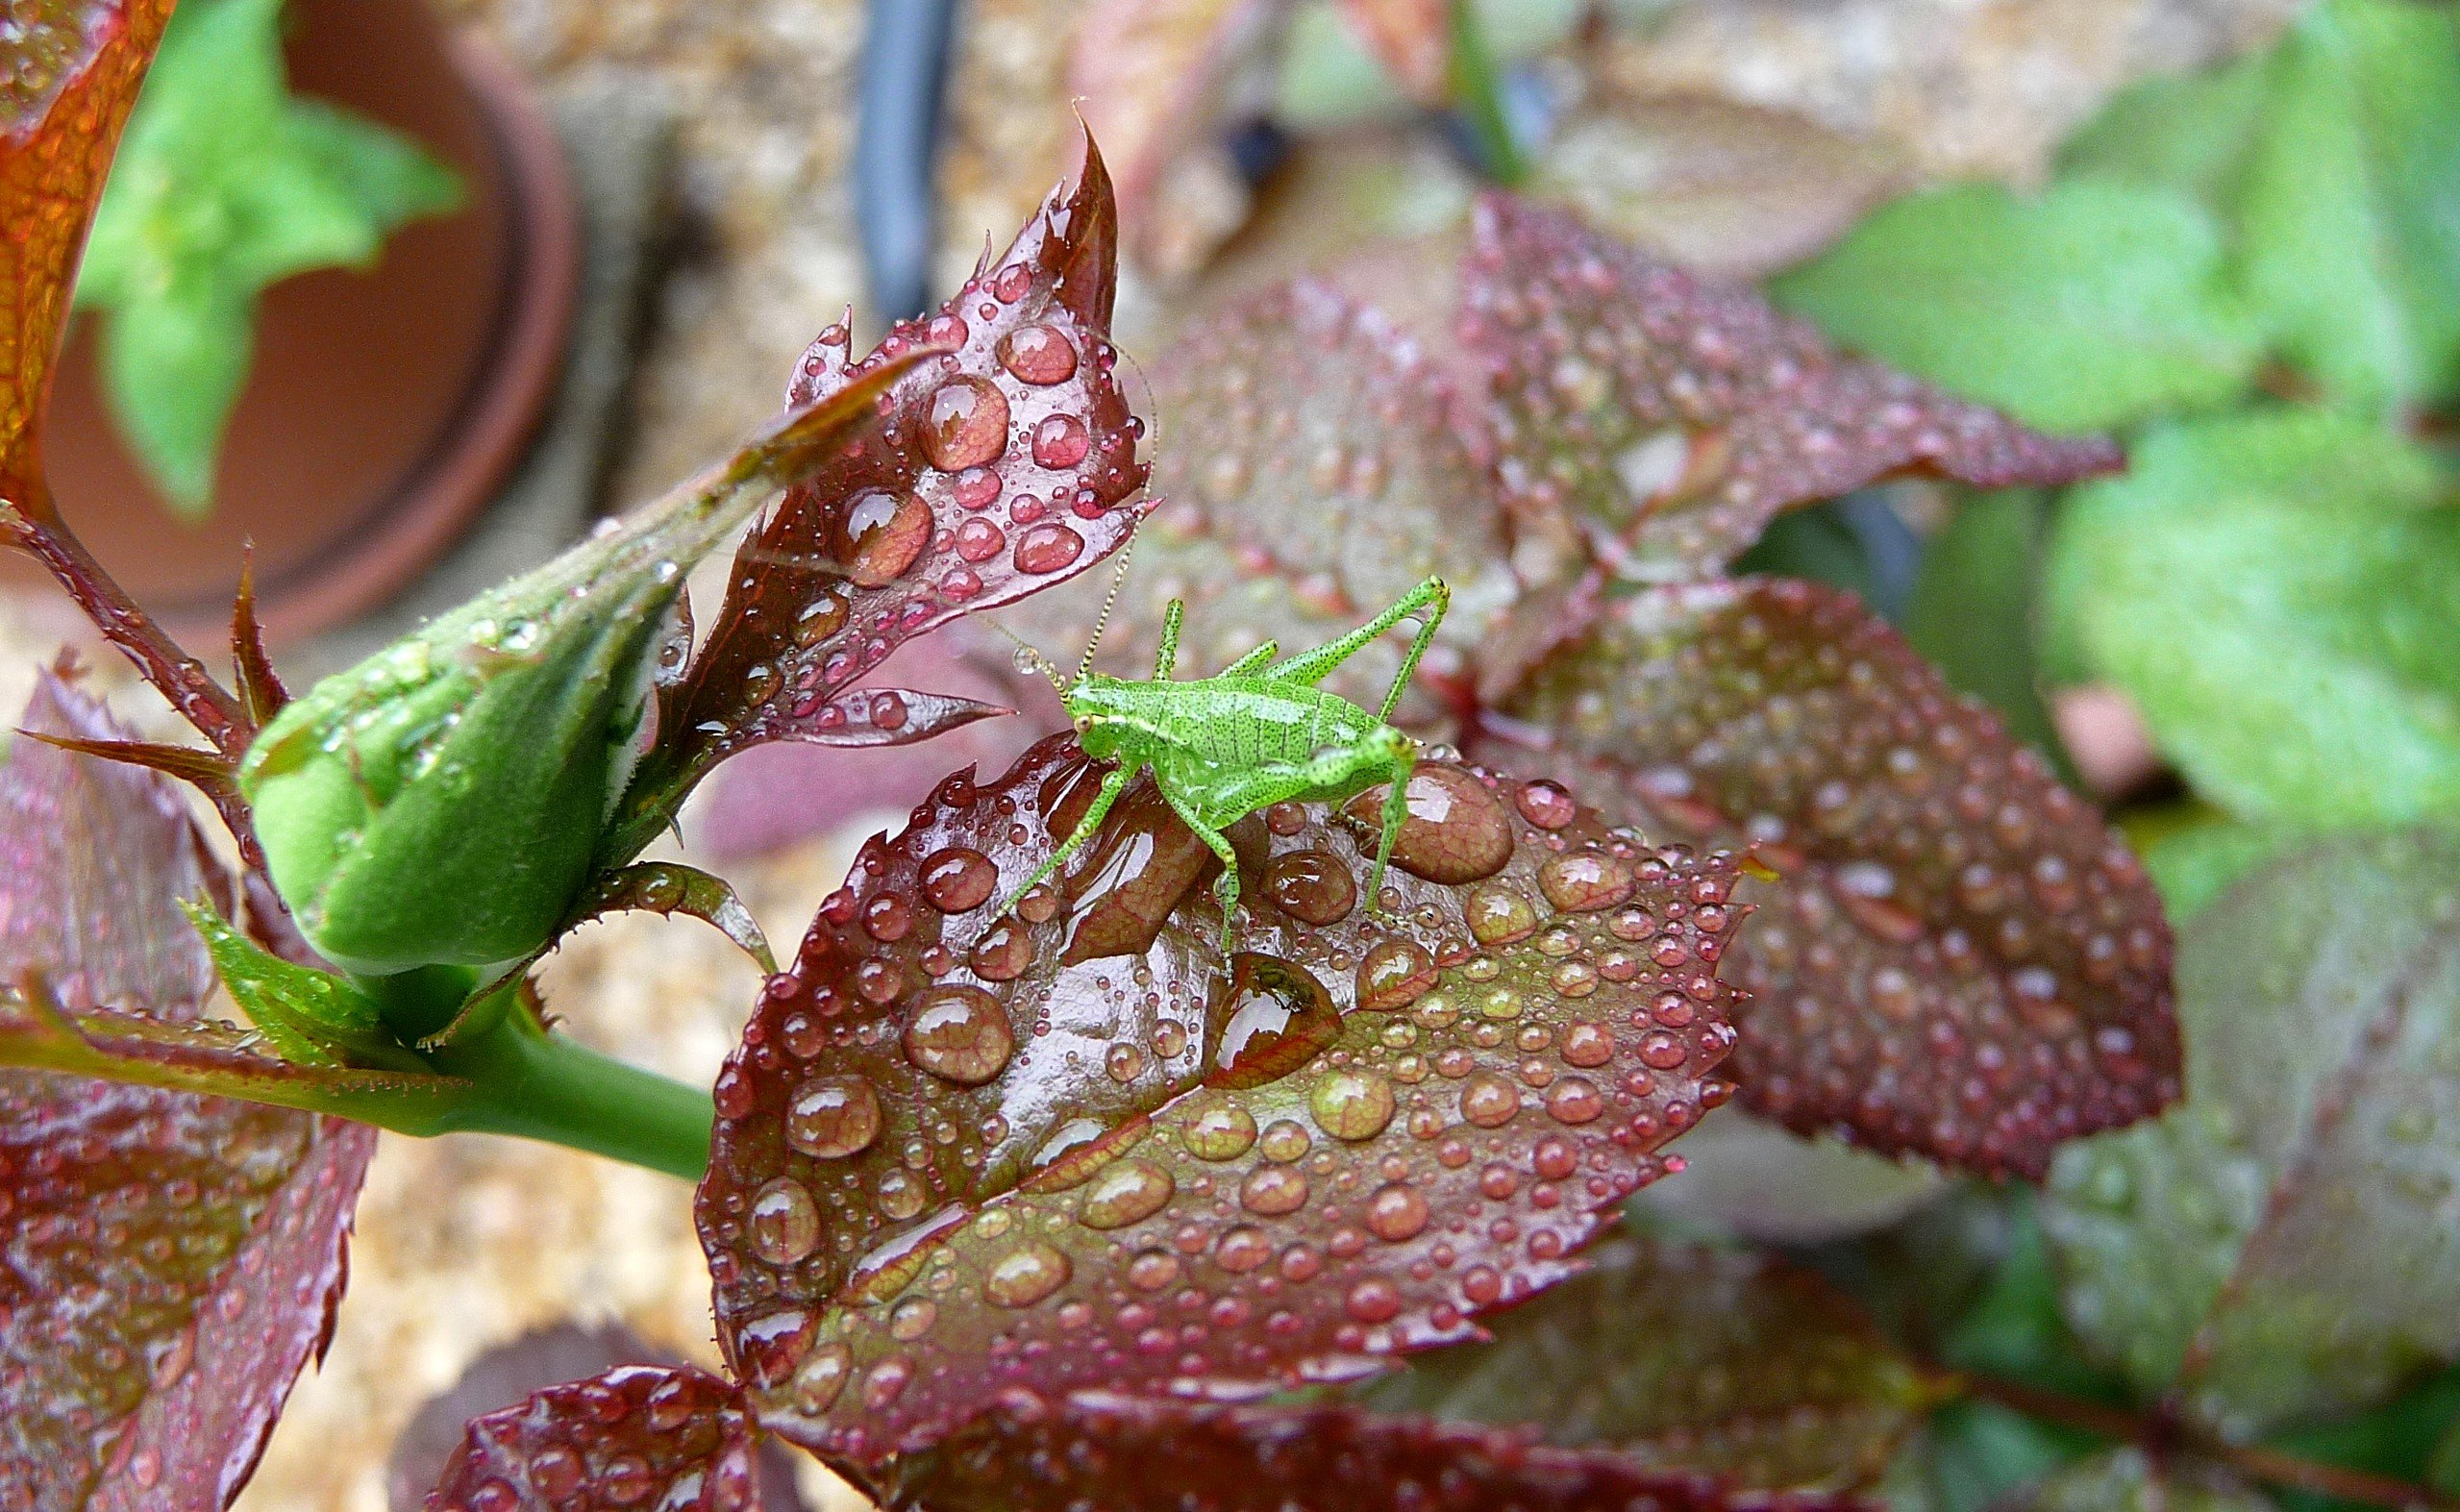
(2161, 1434)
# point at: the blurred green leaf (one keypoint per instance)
(2350, 207)
(1973, 610)
(2276, 592)
(2404, 1439)
(2200, 859)
(2185, 132)
(2129, 1480)
(2093, 303)
(226, 184)
(2285, 1247)
(2015, 1330)
(1975, 1455)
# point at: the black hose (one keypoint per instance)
(897, 116)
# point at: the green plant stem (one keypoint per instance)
(2159, 1433)
(537, 1084)
(1477, 85)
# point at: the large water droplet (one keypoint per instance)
(1395, 975)
(1123, 1193)
(966, 425)
(1060, 441)
(1312, 886)
(1047, 548)
(1499, 915)
(821, 1377)
(1273, 1191)
(1039, 354)
(959, 879)
(1456, 831)
(784, 1224)
(1585, 881)
(1488, 1101)
(882, 534)
(1396, 1212)
(833, 1117)
(1273, 1018)
(1004, 952)
(1025, 1274)
(1352, 1105)
(960, 1033)
(1223, 1132)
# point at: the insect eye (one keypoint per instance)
(1085, 724)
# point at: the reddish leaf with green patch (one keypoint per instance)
(1100, 1450)
(1670, 420)
(637, 1436)
(170, 1260)
(997, 469)
(1698, 1356)
(1962, 959)
(1072, 1146)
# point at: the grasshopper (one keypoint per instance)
(1256, 733)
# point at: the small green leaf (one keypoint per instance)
(226, 184)
(313, 1017)
(2350, 209)
(1973, 610)
(2276, 593)
(2091, 304)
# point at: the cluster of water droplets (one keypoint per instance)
(634, 1437)
(1952, 921)
(956, 1150)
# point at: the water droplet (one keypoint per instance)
(1498, 915)
(1126, 1192)
(912, 1318)
(1039, 354)
(1573, 1100)
(960, 1033)
(1588, 1045)
(1545, 805)
(980, 540)
(882, 533)
(1285, 1139)
(833, 1117)
(959, 879)
(966, 425)
(1273, 1191)
(1060, 441)
(1311, 886)
(1396, 1212)
(1352, 1105)
(1004, 952)
(1585, 881)
(1025, 1274)
(977, 488)
(1374, 1300)
(1122, 1061)
(1274, 1017)
(1048, 548)
(772, 1346)
(1395, 975)
(1488, 1101)
(901, 1194)
(1243, 1249)
(784, 1224)
(1223, 1132)
(887, 916)
(1012, 283)
(1456, 831)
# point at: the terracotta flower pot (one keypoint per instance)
(384, 407)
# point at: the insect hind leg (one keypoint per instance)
(1226, 886)
(1111, 788)
(1311, 667)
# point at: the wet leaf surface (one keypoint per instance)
(1962, 961)
(995, 470)
(1678, 418)
(670, 888)
(1072, 1146)
(170, 1260)
(1030, 1455)
(1318, 462)
(637, 1436)
(1689, 1356)
(2283, 1245)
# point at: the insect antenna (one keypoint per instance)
(1101, 621)
(1030, 658)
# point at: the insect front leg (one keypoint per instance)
(1226, 886)
(1111, 788)
(1311, 667)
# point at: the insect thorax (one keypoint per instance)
(1230, 721)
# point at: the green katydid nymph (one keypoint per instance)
(1257, 732)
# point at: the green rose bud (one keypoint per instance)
(441, 803)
